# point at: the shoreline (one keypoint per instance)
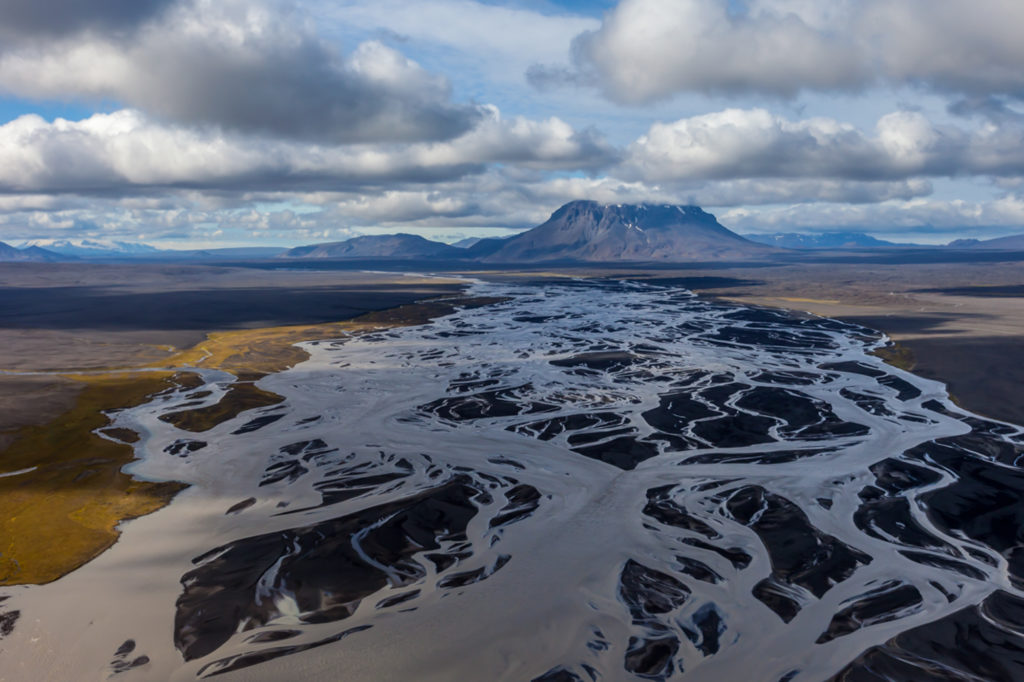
(70, 490)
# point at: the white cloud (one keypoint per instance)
(926, 216)
(754, 143)
(647, 50)
(125, 152)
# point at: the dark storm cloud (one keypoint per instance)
(25, 19)
(298, 90)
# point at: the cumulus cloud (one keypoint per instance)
(246, 67)
(923, 216)
(754, 143)
(647, 50)
(125, 152)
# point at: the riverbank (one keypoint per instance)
(61, 484)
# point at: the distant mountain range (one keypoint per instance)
(582, 231)
(31, 254)
(97, 249)
(827, 240)
(92, 248)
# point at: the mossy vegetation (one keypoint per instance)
(61, 505)
(64, 509)
(897, 355)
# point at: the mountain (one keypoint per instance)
(388, 246)
(828, 240)
(94, 248)
(485, 247)
(482, 245)
(32, 254)
(1012, 243)
(589, 231)
(224, 253)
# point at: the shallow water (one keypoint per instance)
(589, 481)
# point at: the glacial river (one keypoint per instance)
(588, 481)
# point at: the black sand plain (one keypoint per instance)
(80, 317)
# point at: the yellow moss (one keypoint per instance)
(65, 511)
(897, 355)
(124, 435)
(827, 301)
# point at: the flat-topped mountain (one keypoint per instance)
(399, 246)
(589, 231)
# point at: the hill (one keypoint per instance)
(1012, 243)
(397, 246)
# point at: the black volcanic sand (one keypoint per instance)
(187, 302)
(983, 642)
(328, 568)
(983, 503)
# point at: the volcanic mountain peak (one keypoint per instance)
(589, 231)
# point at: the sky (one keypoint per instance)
(199, 123)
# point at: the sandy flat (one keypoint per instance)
(72, 317)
